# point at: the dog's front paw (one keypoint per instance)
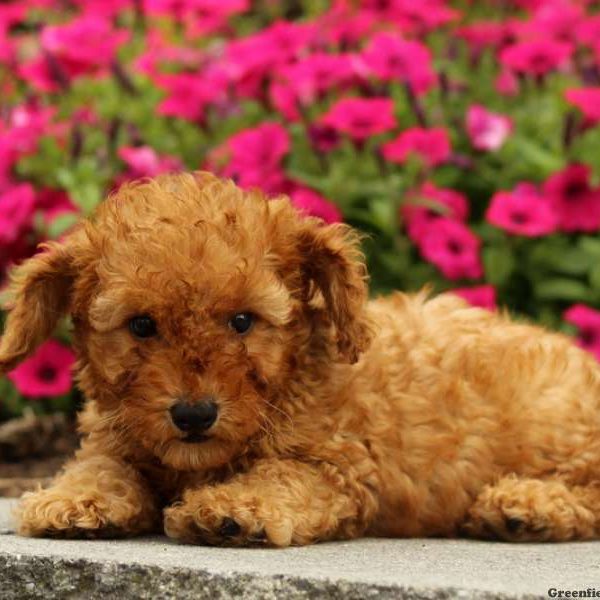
(212, 516)
(55, 513)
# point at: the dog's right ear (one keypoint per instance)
(39, 295)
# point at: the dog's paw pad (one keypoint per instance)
(229, 528)
(514, 524)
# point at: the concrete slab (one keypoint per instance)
(156, 567)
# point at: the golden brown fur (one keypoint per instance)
(404, 416)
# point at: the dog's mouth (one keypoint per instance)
(195, 438)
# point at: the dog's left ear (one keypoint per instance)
(332, 262)
(40, 291)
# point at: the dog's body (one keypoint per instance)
(330, 416)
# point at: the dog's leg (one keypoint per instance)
(528, 510)
(277, 502)
(93, 497)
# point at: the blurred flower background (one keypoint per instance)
(463, 137)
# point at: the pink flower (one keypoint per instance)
(253, 157)
(315, 205)
(323, 137)
(536, 57)
(103, 8)
(487, 130)
(199, 16)
(574, 200)
(587, 320)
(418, 217)
(54, 203)
(160, 53)
(143, 161)
(361, 118)
(484, 34)
(305, 82)
(87, 44)
(410, 16)
(483, 296)
(432, 145)
(344, 27)
(17, 206)
(453, 249)
(391, 58)
(46, 373)
(588, 30)
(557, 19)
(587, 100)
(507, 83)
(523, 212)
(250, 61)
(190, 93)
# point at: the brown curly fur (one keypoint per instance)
(404, 416)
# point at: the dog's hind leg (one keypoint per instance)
(534, 510)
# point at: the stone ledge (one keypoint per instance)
(407, 569)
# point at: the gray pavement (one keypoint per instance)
(371, 568)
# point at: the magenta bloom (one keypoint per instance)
(54, 203)
(587, 320)
(410, 16)
(587, 100)
(522, 212)
(506, 83)
(143, 161)
(46, 373)
(576, 203)
(418, 217)
(199, 16)
(253, 157)
(432, 145)
(391, 58)
(483, 296)
(17, 206)
(487, 130)
(305, 82)
(484, 34)
(536, 57)
(190, 93)
(87, 44)
(361, 118)
(311, 203)
(251, 60)
(453, 249)
(588, 30)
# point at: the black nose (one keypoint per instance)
(194, 417)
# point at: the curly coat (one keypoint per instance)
(338, 417)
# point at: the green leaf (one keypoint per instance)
(595, 278)
(62, 223)
(499, 264)
(562, 289)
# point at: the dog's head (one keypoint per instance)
(193, 304)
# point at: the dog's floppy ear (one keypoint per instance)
(332, 262)
(40, 292)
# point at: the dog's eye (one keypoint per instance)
(241, 322)
(142, 327)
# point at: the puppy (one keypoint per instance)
(241, 389)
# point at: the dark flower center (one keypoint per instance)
(520, 218)
(396, 63)
(588, 337)
(454, 247)
(540, 62)
(46, 373)
(575, 190)
(362, 123)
